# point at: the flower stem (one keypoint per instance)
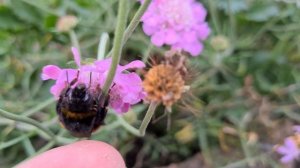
(39, 107)
(148, 117)
(214, 15)
(134, 22)
(102, 48)
(26, 120)
(128, 127)
(74, 40)
(117, 45)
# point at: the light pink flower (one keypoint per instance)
(178, 23)
(289, 150)
(125, 91)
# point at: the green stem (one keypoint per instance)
(232, 22)
(26, 120)
(134, 22)
(128, 127)
(213, 12)
(39, 107)
(28, 147)
(147, 53)
(102, 47)
(117, 45)
(203, 141)
(148, 117)
(244, 162)
(74, 40)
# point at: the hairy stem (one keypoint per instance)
(148, 117)
(134, 22)
(117, 45)
(128, 127)
(26, 120)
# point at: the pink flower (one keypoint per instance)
(289, 150)
(297, 129)
(126, 90)
(178, 23)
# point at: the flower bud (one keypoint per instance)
(220, 43)
(66, 23)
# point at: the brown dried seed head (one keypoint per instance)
(163, 83)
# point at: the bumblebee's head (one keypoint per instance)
(79, 91)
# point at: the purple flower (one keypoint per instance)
(297, 128)
(289, 150)
(126, 91)
(178, 23)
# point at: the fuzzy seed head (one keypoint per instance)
(163, 83)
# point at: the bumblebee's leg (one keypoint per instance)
(91, 129)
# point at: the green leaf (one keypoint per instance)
(262, 12)
(8, 21)
(50, 21)
(6, 41)
(236, 5)
(27, 12)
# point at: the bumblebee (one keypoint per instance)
(81, 110)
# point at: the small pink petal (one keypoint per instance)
(76, 55)
(199, 11)
(171, 37)
(286, 159)
(103, 65)
(203, 31)
(189, 36)
(133, 65)
(50, 72)
(158, 39)
(56, 89)
(149, 30)
(194, 48)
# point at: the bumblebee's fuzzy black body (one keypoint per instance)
(81, 110)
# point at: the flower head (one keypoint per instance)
(165, 81)
(126, 90)
(291, 147)
(180, 24)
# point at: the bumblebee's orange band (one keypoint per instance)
(80, 115)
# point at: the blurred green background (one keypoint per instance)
(243, 100)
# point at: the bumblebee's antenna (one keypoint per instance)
(67, 77)
(75, 79)
(90, 79)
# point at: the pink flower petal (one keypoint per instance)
(171, 37)
(203, 31)
(199, 11)
(76, 56)
(149, 30)
(286, 159)
(194, 48)
(297, 128)
(50, 72)
(158, 39)
(133, 65)
(103, 65)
